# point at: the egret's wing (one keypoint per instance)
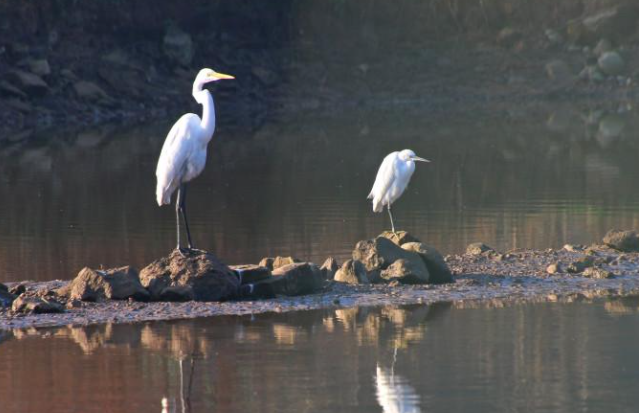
(173, 158)
(385, 177)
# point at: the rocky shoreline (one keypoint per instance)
(481, 274)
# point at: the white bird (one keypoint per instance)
(392, 179)
(183, 155)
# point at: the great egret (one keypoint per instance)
(392, 179)
(184, 152)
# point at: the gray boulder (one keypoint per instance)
(626, 241)
(329, 268)
(404, 271)
(113, 284)
(352, 272)
(35, 305)
(296, 279)
(251, 273)
(29, 83)
(611, 63)
(198, 275)
(435, 263)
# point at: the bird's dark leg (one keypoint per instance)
(183, 208)
(391, 218)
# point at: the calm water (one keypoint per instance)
(544, 358)
(511, 178)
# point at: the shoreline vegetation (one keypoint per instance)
(378, 275)
(285, 60)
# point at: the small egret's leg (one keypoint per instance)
(391, 218)
(183, 208)
(178, 202)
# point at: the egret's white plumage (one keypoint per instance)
(392, 179)
(183, 154)
(394, 394)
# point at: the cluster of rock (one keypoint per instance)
(394, 258)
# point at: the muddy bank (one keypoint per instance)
(572, 273)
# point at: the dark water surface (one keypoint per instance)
(536, 357)
(297, 186)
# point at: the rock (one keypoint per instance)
(266, 262)
(6, 298)
(18, 289)
(7, 89)
(73, 304)
(123, 80)
(626, 241)
(559, 70)
(250, 273)
(38, 67)
(277, 262)
(592, 74)
(261, 290)
(572, 248)
(602, 47)
(352, 272)
(553, 268)
(329, 268)
(282, 261)
(399, 237)
(29, 83)
(594, 272)
(89, 91)
(611, 127)
(379, 253)
(435, 263)
(178, 46)
(198, 275)
(296, 279)
(611, 63)
(35, 305)
(477, 248)
(113, 284)
(580, 265)
(405, 272)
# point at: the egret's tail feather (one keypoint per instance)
(163, 196)
(377, 205)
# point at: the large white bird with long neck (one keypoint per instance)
(392, 179)
(183, 155)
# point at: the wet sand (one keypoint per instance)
(518, 275)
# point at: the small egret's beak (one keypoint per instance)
(221, 76)
(417, 158)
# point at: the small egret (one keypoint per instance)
(184, 152)
(392, 179)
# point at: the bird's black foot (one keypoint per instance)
(184, 251)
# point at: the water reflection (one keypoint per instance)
(541, 357)
(394, 394)
(522, 177)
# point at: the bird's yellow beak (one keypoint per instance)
(217, 75)
(417, 158)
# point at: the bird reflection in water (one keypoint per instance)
(171, 405)
(394, 394)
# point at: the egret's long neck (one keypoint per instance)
(204, 98)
